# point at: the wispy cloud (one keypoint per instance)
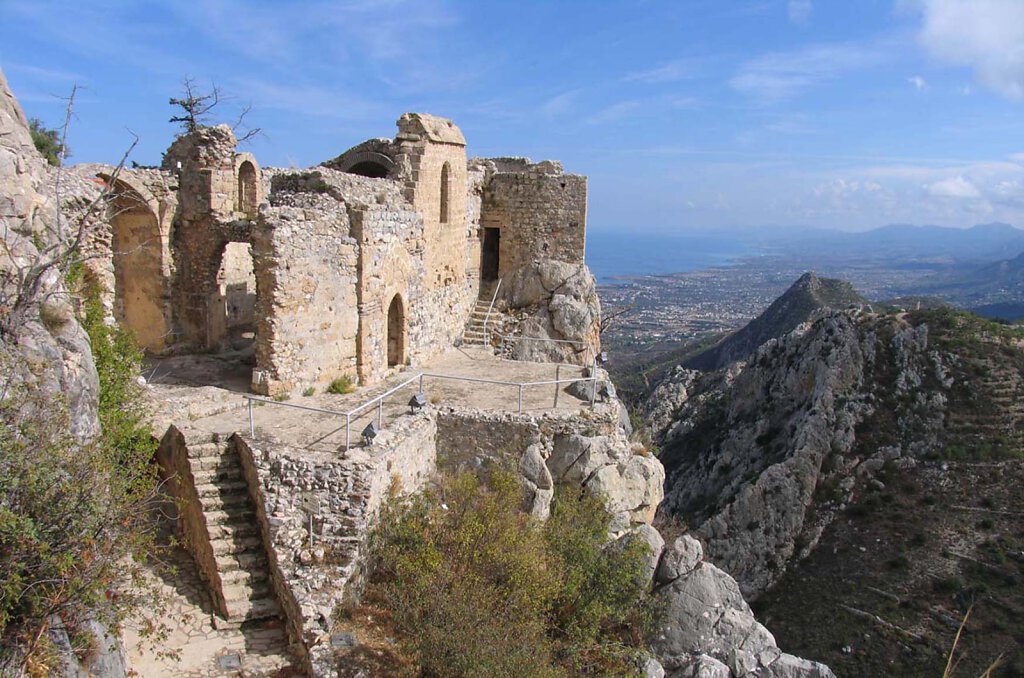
(560, 103)
(615, 112)
(919, 83)
(671, 71)
(780, 75)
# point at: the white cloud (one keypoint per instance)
(780, 75)
(986, 36)
(918, 82)
(799, 11)
(953, 187)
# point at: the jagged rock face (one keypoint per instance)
(707, 629)
(761, 457)
(555, 300)
(47, 346)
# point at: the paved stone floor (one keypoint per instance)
(222, 411)
(195, 640)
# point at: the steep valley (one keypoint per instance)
(860, 477)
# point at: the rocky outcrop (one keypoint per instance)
(553, 300)
(706, 628)
(807, 295)
(41, 338)
(761, 456)
(41, 342)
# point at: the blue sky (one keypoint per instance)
(698, 114)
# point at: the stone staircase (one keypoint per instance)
(243, 591)
(474, 333)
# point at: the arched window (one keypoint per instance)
(445, 190)
(247, 200)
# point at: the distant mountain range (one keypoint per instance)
(808, 294)
(905, 243)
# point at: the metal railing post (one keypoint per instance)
(348, 431)
(593, 384)
(558, 378)
(421, 383)
(520, 398)
(380, 413)
(252, 425)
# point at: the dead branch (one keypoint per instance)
(889, 626)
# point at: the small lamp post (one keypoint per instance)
(417, 403)
(602, 358)
(370, 432)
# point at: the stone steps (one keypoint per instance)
(234, 531)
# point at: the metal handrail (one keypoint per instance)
(379, 399)
(494, 297)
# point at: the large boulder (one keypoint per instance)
(707, 629)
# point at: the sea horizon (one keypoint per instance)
(612, 256)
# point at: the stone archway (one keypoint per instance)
(396, 332)
(140, 283)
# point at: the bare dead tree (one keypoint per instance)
(197, 109)
(31, 274)
(195, 106)
(615, 316)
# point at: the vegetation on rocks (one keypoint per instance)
(47, 141)
(477, 587)
(73, 515)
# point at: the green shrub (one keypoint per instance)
(74, 516)
(309, 391)
(342, 385)
(479, 588)
(46, 141)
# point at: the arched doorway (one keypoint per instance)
(247, 194)
(396, 332)
(139, 281)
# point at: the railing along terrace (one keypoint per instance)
(421, 378)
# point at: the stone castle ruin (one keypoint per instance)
(409, 269)
(371, 261)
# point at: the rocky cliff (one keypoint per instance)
(40, 337)
(42, 344)
(769, 456)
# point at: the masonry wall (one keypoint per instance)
(306, 308)
(348, 492)
(542, 214)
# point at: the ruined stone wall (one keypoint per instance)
(390, 266)
(541, 212)
(347, 493)
(306, 266)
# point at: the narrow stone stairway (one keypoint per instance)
(245, 592)
(474, 333)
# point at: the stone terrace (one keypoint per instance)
(219, 411)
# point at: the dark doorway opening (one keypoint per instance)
(396, 332)
(368, 168)
(489, 254)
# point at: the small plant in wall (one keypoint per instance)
(342, 385)
(309, 391)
